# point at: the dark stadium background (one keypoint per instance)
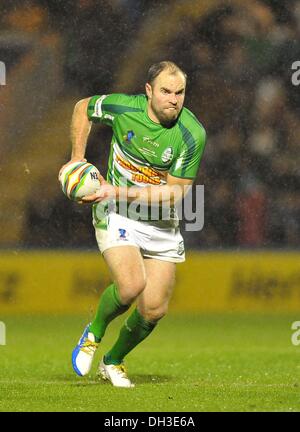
(238, 56)
(238, 60)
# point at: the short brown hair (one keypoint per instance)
(157, 68)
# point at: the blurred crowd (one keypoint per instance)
(239, 65)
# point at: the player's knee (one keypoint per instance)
(130, 290)
(154, 314)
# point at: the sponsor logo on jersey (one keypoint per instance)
(167, 155)
(148, 152)
(141, 178)
(128, 137)
(150, 141)
(140, 174)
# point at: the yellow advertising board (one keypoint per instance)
(51, 282)
(245, 281)
(71, 282)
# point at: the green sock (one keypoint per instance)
(134, 331)
(109, 308)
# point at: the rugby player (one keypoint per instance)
(156, 149)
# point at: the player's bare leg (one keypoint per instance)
(152, 305)
(127, 269)
(153, 302)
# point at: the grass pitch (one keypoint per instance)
(189, 363)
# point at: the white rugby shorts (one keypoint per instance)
(154, 240)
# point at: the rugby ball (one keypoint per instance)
(79, 179)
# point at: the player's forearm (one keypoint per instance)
(80, 129)
(150, 194)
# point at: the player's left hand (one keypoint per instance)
(107, 191)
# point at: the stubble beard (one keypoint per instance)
(165, 120)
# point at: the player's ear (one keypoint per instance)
(148, 90)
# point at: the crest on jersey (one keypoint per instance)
(167, 155)
(128, 137)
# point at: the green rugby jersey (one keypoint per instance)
(143, 152)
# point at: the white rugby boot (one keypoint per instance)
(83, 353)
(116, 374)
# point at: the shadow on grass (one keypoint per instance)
(93, 380)
(72, 379)
(151, 379)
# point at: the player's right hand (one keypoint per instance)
(70, 162)
(107, 191)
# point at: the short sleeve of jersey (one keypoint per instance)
(106, 108)
(188, 160)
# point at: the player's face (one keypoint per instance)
(166, 97)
